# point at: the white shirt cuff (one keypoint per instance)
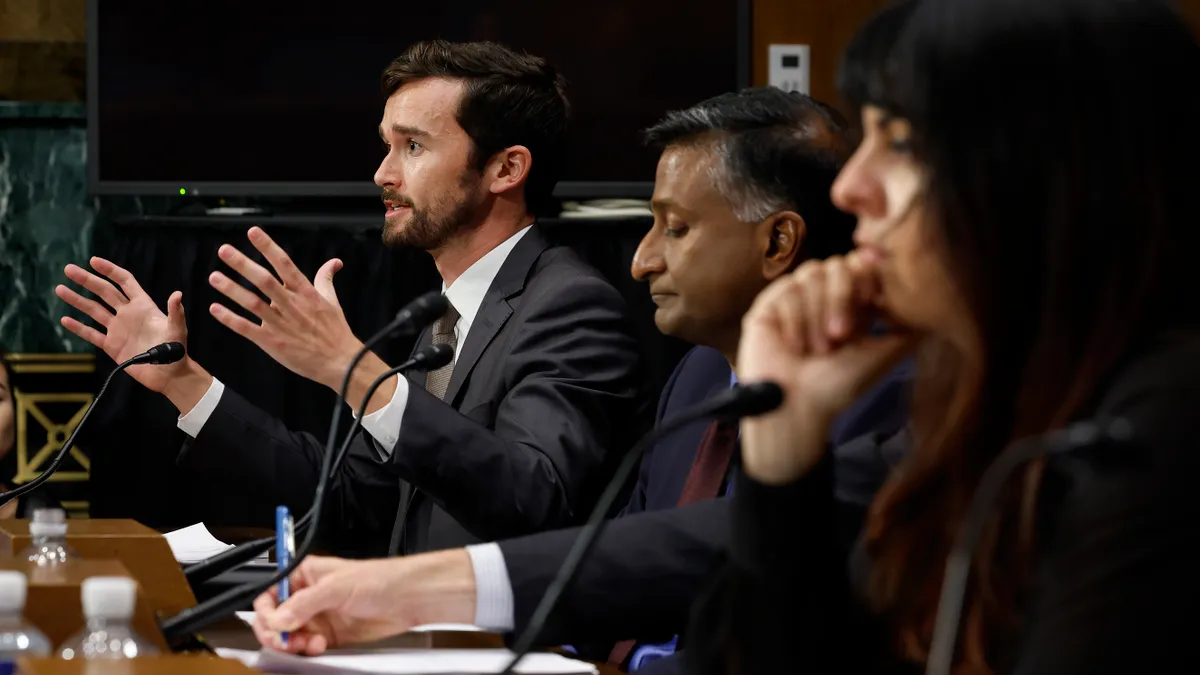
(384, 424)
(193, 420)
(493, 591)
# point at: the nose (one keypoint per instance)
(648, 259)
(388, 173)
(858, 190)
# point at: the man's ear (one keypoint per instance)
(508, 169)
(785, 232)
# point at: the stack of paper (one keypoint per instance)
(410, 662)
(195, 543)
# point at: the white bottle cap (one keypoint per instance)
(109, 597)
(48, 523)
(12, 592)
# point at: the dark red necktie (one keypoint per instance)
(707, 474)
(704, 481)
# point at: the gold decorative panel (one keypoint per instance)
(50, 392)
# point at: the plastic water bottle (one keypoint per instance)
(108, 604)
(49, 532)
(18, 637)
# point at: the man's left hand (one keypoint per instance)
(303, 326)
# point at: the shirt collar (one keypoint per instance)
(468, 290)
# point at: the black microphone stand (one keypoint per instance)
(168, 352)
(741, 401)
(429, 357)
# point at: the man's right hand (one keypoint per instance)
(339, 602)
(133, 325)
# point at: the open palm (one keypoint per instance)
(132, 325)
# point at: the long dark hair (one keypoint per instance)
(1059, 137)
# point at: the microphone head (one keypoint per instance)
(425, 309)
(432, 357)
(167, 352)
(746, 400)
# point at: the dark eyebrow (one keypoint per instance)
(404, 131)
(661, 205)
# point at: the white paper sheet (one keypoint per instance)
(410, 662)
(248, 619)
(195, 543)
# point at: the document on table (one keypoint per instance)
(195, 543)
(248, 619)
(410, 662)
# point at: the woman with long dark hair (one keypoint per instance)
(1028, 206)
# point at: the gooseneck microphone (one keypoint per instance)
(740, 401)
(167, 352)
(429, 357)
(1080, 435)
(419, 313)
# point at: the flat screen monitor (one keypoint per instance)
(261, 97)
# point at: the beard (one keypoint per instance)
(431, 227)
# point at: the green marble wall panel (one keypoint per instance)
(46, 220)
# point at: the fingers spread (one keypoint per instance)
(91, 335)
(284, 267)
(93, 309)
(254, 273)
(235, 323)
(118, 274)
(101, 287)
(239, 294)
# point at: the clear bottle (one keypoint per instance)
(108, 604)
(49, 532)
(18, 637)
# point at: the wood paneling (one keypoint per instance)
(825, 25)
(42, 50)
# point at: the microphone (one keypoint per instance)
(958, 566)
(429, 357)
(167, 352)
(424, 308)
(740, 401)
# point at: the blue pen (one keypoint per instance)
(285, 548)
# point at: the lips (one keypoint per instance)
(394, 208)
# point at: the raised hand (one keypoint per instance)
(337, 602)
(810, 333)
(302, 327)
(132, 323)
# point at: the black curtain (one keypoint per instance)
(132, 437)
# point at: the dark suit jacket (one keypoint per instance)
(703, 373)
(545, 393)
(1113, 567)
(648, 566)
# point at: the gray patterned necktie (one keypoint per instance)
(437, 381)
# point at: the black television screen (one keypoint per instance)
(267, 98)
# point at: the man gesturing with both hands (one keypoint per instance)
(520, 433)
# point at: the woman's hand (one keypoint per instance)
(809, 332)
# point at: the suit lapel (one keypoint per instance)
(495, 309)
